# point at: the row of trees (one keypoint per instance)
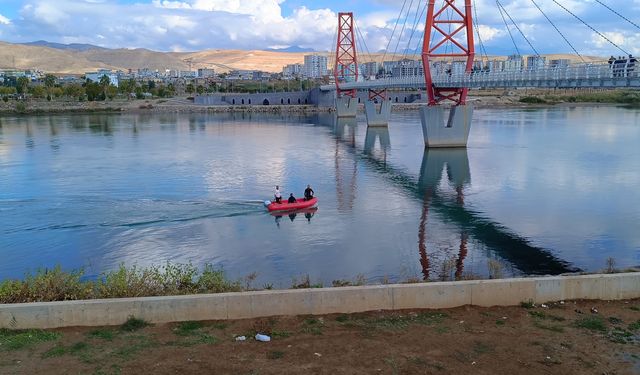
(91, 91)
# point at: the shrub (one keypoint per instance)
(532, 100)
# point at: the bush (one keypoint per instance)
(21, 107)
(532, 100)
(171, 279)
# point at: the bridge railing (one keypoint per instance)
(509, 78)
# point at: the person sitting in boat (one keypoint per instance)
(292, 199)
(308, 193)
(277, 195)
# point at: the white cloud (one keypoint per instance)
(257, 24)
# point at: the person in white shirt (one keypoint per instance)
(277, 195)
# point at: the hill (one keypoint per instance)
(81, 58)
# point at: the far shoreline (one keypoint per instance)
(159, 106)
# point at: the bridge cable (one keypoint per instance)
(332, 51)
(518, 27)
(509, 30)
(364, 43)
(417, 19)
(404, 24)
(589, 26)
(618, 14)
(559, 32)
(483, 50)
(394, 30)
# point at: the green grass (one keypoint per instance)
(543, 316)
(187, 328)
(16, 340)
(634, 326)
(280, 334)
(527, 304)
(594, 323)
(135, 344)
(103, 334)
(60, 350)
(392, 322)
(133, 324)
(548, 327)
(635, 308)
(500, 322)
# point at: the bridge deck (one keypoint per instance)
(579, 76)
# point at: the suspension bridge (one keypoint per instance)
(449, 38)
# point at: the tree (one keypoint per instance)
(74, 90)
(112, 91)
(50, 80)
(22, 84)
(94, 91)
(38, 92)
(190, 89)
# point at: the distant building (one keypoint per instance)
(458, 67)
(206, 73)
(97, 76)
(514, 62)
(495, 65)
(292, 71)
(559, 63)
(403, 68)
(240, 75)
(536, 62)
(315, 66)
(369, 70)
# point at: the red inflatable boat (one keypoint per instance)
(285, 206)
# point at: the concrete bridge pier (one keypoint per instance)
(450, 132)
(377, 115)
(346, 106)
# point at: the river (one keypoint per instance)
(538, 191)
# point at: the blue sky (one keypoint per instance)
(186, 25)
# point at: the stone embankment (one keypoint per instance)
(222, 306)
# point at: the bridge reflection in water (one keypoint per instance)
(494, 237)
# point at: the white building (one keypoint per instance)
(536, 62)
(315, 66)
(369, 70)
(206, 73)
(97, 76)
(292, 71)
(514, 62)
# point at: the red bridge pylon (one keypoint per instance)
(447, 30)
(346, 64)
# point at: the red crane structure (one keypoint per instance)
(346, 64)
(441, 30)
(448, 25)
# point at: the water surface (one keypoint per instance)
(541, 191)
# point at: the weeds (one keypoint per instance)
(103, 333)
(171, 279)
(527, 304)
(187, 328)
(634, 326)
(541, 315)
(16, 340)
(548, 327)
(594, 323)
(133, 324)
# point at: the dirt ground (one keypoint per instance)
(558, 338)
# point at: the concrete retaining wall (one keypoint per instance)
(320, 301)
